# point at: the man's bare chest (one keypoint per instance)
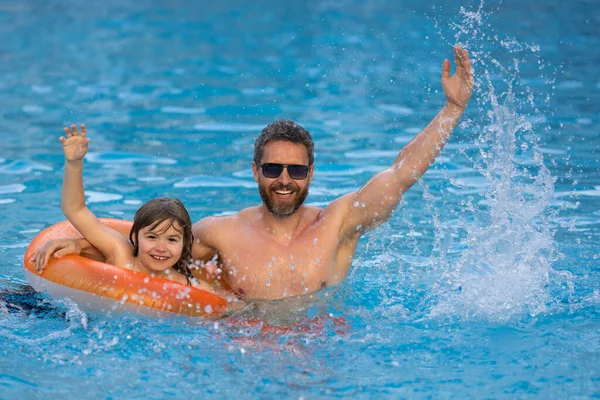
(258, 266)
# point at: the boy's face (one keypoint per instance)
(160, 248)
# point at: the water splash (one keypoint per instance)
(506, 269)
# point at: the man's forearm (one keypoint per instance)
(422, 151)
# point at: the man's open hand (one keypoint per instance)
(458, 87)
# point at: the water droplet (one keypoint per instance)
(292, 266)
(268, 282)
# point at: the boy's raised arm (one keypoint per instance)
(106, 240)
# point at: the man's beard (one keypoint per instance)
(281, 209)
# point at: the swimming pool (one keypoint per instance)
(485, 282)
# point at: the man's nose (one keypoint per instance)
(284, 178)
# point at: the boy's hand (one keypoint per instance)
(56, 248)
(75, 145)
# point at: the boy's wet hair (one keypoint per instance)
(284, 131)
(154, 213)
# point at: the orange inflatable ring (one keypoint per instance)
(99, 287)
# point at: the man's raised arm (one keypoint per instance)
(375, 202)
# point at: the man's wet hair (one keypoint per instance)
(154, 213)
(284, 131)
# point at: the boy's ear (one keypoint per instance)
(135, 246)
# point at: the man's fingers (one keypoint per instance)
(458, 58)
(459, 54)
(446, 69)
(467, 63)
(83, 130)
(74, 129)
(463, 63)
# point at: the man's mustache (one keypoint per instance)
(289, 186)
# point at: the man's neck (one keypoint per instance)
(284, 228)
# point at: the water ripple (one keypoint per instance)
(400, 110)
(213, 181)
(127, 158)
(13, 188)
(183, 110)
(590, 192)
(101, 197)
(224, 127)
(21, 167)
(361, 154)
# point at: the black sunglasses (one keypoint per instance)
(295, 171)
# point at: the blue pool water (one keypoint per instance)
(484, 283)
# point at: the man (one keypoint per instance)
(284, 248)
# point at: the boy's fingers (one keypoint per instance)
(59, 253)
(211, 268)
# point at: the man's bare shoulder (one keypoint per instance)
(331, 216)
(337, 213)
(224, 222)
(340, 206)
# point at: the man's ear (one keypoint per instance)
(311, 171)
(255, 171)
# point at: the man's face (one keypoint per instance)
(283, 195)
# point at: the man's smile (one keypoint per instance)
(283, 192)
